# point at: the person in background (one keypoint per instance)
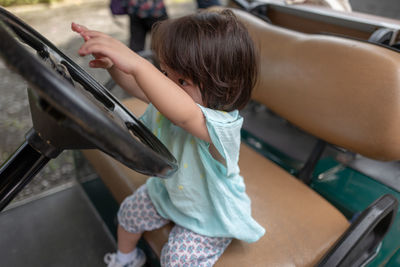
(203, 4)
(143, 14)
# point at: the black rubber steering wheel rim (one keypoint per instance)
(78, 103)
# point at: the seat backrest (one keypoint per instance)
(343, 91)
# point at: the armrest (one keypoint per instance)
(358, 244)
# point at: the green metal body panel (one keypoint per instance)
(292, 166)
(395, 260)
(351, 192)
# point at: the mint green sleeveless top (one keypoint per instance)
(204, 195)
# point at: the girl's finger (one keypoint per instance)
(85, 32)
(97, 55)
(78, 28)
(95, 46)
(81, 30)
(94, 34)
(104, 63)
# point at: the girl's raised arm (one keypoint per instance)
(170, 99)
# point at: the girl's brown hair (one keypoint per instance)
(215, 51)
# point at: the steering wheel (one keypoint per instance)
(71, 110)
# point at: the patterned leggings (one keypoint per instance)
(184, 247)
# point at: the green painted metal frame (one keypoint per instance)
(351, 192)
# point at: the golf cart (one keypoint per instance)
(322, 119)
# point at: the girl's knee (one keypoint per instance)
(138, 214)
(186, 248)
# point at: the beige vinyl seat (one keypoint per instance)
(342, 91)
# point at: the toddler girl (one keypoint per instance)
(208, 69)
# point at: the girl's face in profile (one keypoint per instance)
(186, 84)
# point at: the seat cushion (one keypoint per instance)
(300, 225)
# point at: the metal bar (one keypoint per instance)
(350, 20)
(18, 171)
(305, 174)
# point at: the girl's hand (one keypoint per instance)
(107, 51)
(99, 61)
